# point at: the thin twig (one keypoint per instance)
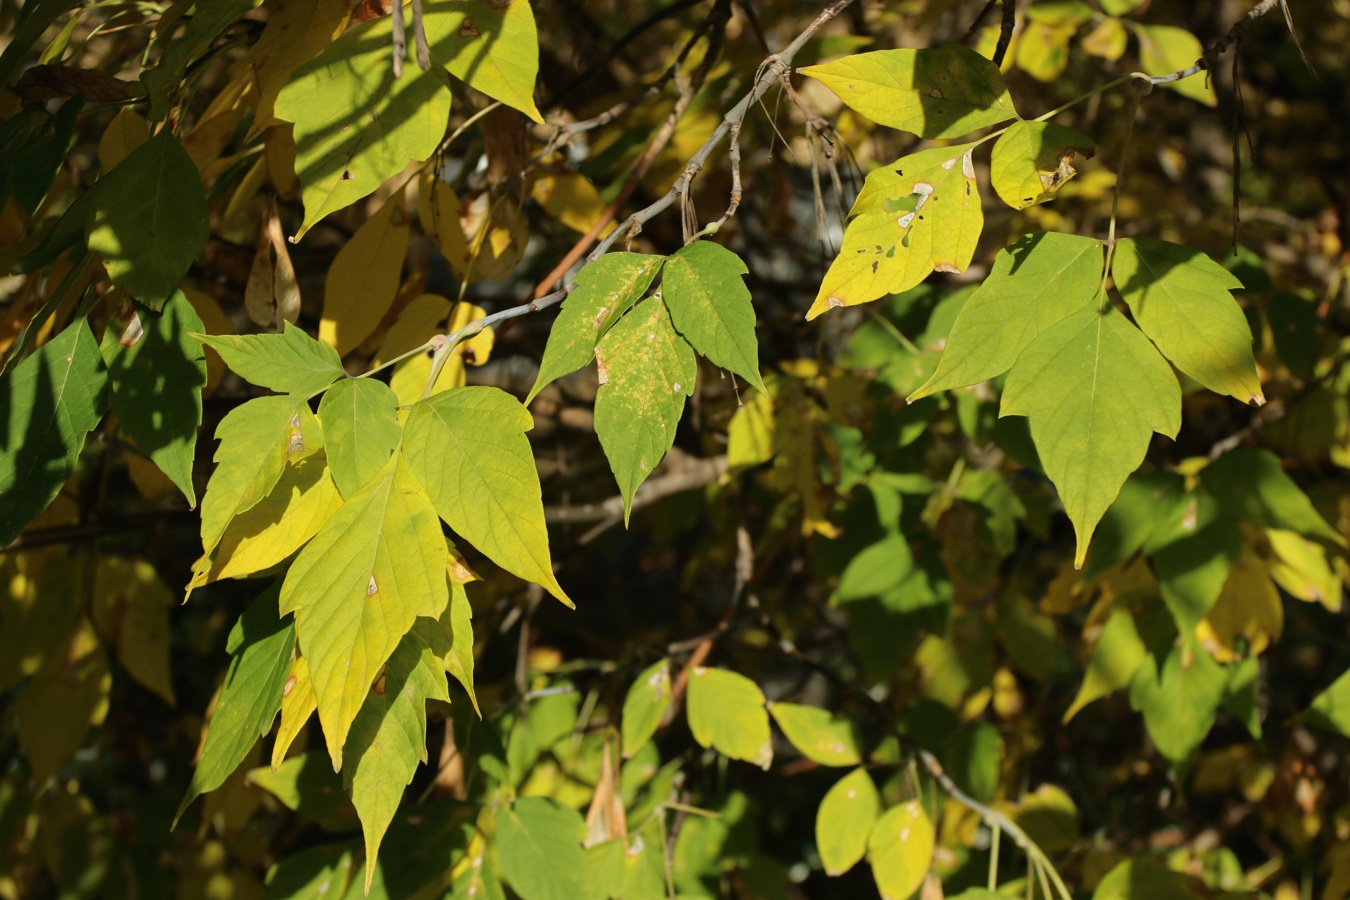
(1005, 30)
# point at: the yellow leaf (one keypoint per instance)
(132, 605)
(478, 348)
(217, 124)
(1108, 40)
(280, 154)
(416, 324)
(750, 434)
(1302, 568)
(1247, 615)
(296, 31)
(214, 321)
(439, 211)
(127, 131)
(146, 476)
(900, 850)
(1043, 48)
(364, 278)
(59, 706)
(571, 199)
(297, 705)
(497, 233)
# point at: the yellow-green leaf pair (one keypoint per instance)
(898, 843)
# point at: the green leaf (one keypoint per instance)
(605, 290)
(1331, 708)
(1164, 49)
(157, 371)
(260, 645)
(1193, 566)
(1146, 878)
(388, 738)
(1033, 160)
(468, 448)
(1242, 695)
(726, 713)
(1094, 389)
(207, 22)
(1145, 502)
(828, 738)
(313, 873)
(1179, 702)
(646, 371)
(539, 847)
(1036, 281)
(291, 362)
(974, 758)
(304, 784)
(149, 220)
(1120, 7)
(359, 586)
(1250, 484)
(1115, 660)
(1180, 299)
(919, 214)
(457, 622)
(360, 422)
(710, 306)
(355, 125)
(844, 821)
(900, 850)
(491, 47)
(52, 400)
(937, 93)
(257, 439)
(645, 706)
(876, 570)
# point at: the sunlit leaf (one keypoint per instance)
(492, 47)
(828, 738)
(919, 214)
(647, 371)
(710, 306)
(844, 821)
(1094, 389)
(362, 281)
(291, 362)
(1033, 160)
(457, 623)
(1164, 49)
(900, 850)
(726, 712)
(361, 427)
(936, 93)
(1331, 708)
(298, 703)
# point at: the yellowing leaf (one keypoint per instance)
(844, 821)
(1180, 299)
(457, 624)
(127, 131)
(820, 735)
(750, 434)
(918, 214)
(132, 606)
(296, 31)
(492, 47)
(355, 124)
(1248, 614)
(571, 199)
(60, 704)
(1108, 40)
(1116, 658)
(1302, 568)
(275, 527)
(416, 324)
(900, 850)
(1033, 160)
(1036, 281)
(1094, 389)
(645, 706)
(363, 280)
(298, 703)
(646, 372)
(939, 93)
(1043, 48)
(360, 421)
(438, 210)
(357, 588)
(726, 712)
(216, 125)
(1164, 49)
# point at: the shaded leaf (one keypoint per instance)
(539, 846)
(1178, 701)
(1115, 659)
(1250, 484)
(363, 280)
(711, 309)
(1331, 708)
(645, 706)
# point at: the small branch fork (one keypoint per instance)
(773, 69)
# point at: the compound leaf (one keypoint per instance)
(491, 47)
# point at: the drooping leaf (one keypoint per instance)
(919, 214)
(844, 821)
(934, 93)
(1179, 701)
(468, 447)
(1180, 299)
(279, 524)
(1094, 389)
(1247, 615)
(647, 371)
(53, 399)
(157, 370)
(1331, 708)
(900, 850)
(1115, 660)
(298, 703)
(355, 125)
(710, 306)
(360, 421)
(539, 845)
(291, 362)
(974, 758)
(820, 735)
(1035, 282)
(257, 440)
(605, 290)
(645, 707)
(260, 645)
(492, 47)
(149, 219)
(131, 605)
(363, 280)
(457, 623)
(1164, 49)
(388, 737)
(1250, 484)
(359, 586)
(726, 713)
(1033, 160)
(124, 133)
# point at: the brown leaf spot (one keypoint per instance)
(468, 29)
